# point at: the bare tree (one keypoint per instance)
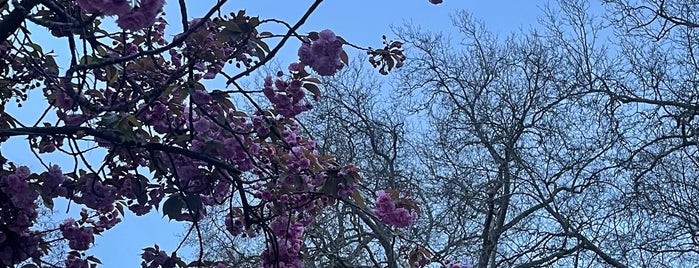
(524, 144)
(573, 144)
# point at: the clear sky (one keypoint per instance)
(361, 22)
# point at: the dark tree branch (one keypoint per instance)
(12, 21)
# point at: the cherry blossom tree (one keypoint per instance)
(170, 142)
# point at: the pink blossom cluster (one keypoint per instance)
(21, 197)
(79, 237)
(348, 183)
(20, 73)
(236, 149)
(48, 144)
(217, 139)
(103, 222)
(211, 48)
(134, 19)
(74, 261)
(288, 97)
(19, 200)
(323, 54)
(284, 250)
(391, 214)
(15, 248)
(261, 126)
(52, 181)
(449, 264)
(96, 195)
(155, 258)
(235, 224)
(389, 57)
(132, 188)
(212, 51)
(155, 114)
(344, 190)
(17, 214)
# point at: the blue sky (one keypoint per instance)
(361, 22)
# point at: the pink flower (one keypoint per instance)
(142, 16)
(72, 119)
(323, 55)
(63, 100)
(202, 125)
(134, 21)
(130, 18)
(88, 6)
(152, 7)
(79, 238)
(201, 97)
(387, 211)
(105, 7)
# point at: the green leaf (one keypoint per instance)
(230, 34)
(87, 59)
(48, 202)
(263, 45)
(120, 208)
(37, 48)
(358, 198)
(194, 203)
(312, 80)
(139, 189)
(109, 119)
(259, 52)
(313, 89)
(51, 65)
(344, 58)
(313, 36)
(156, 164)
(134, 121)
(195, 264)
(222, 98)
(94, 259)
(111, 73)
(126, 131)
(172, 208)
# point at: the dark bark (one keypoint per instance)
(12, 21)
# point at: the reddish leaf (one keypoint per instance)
(313, 89)
(313, 36)
(344, 58)
(358, 198)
